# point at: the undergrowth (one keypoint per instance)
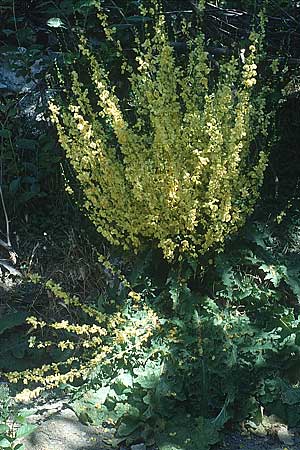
(13, 422)
(174, 356)
(167, 354)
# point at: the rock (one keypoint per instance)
(284, 435)
(32, 92)
(138, 447)
(12, 82)
(63, 431)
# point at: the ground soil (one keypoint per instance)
(59, 429)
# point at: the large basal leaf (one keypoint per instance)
(274, 273)
(12, 320)
(293, 275)
(185, 433)
(90, 407)
(128, 426)
(98, 397)
(5, 443)
(3, 428)
(23, 414)
(289, 394)
(126, 410)
(148, 377)
(25, 430)
(90, 414)
(125, 379)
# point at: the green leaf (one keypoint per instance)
(3, 428)
(12, 320)
(274, 273)
(5, 443)
(5, 133)
(99, 396)
(258, 234)
(223, 415)
(26, 144)
(20, 447)
(55, 22)
(125, 379)
(125, 410)
(27, 412)
(290, 395)
(148, 377)
(8, 32)
(35, 188)
(87, 4)
(128, 426)
(20, 419)
(136, 20)
(14, 185)
(25, 430)
(185, 433)
(293, 280)
(19, 351)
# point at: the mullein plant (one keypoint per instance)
(183, 170)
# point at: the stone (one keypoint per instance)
(285, 436)
(63, 431)
(138, 447)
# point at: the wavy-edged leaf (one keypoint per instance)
(12, 320)
(25, 430)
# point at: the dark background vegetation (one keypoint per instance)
(260, 267)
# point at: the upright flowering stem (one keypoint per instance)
(182, 172)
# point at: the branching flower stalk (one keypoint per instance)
(89, 344)
(183, 170)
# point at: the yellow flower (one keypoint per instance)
(165, 178)
(135, 296)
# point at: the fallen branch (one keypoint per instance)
(7, 265)
(7, 245)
